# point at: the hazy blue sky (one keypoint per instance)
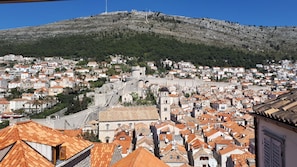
(247, 12)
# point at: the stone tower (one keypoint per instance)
(164, 104)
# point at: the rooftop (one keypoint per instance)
(140, 157)
(282, 109)
(102, 154)
(129, 113)
(16, 140)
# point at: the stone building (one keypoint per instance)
(113, 118)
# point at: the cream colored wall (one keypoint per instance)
(290, 142)
(103, 132)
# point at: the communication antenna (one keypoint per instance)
(146, 20)
(105, 6)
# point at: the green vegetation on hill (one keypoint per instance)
(146, 47)
(4, 124)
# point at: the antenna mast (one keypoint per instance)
(105, 6)
(146, 20)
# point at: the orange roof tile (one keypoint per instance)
(185, 132)
(241, 159)
(24, 156)
(185, 165)
(191, 137)
(228, 149)
(170, 147)
(211, 132)
(33, 132)
(162, 137)
(140, 157)
(123, 140)
(3, 101)
(72, 132)
(101, 154)
(198, 144)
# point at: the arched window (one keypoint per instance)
(107, 139)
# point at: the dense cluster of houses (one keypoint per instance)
(210, 125)
(279, 75)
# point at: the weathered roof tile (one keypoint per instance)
(283, 108)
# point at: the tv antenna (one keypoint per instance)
(105, 6)
(146, 20)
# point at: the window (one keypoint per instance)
(203, 158)
(273, 150)
(107, 139)
(107, 126)
(165, 109)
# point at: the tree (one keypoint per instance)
(37, 103)
(91, 136)
(4, 124)
(15, 93)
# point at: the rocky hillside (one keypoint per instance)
(276, 40)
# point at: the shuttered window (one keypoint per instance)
(273, 149)
(267, 154)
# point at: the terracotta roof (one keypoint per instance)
(211, 132)
(129, 113)
(185, 132)
(30, 131)
(198, 144)
(220, 140)
(191, 137)
(21, 154)
(3, 101)
(101, 154)
(124, 140)
(241, 159)
(140, 157)
(160, 125)
(170, 147)
(142, 129)
(72, 132)
(282, 109)
(228, 149)
(185, 165)
(145, 139)
(162, 137)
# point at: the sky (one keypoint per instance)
(245, 12)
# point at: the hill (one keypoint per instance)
(96, 36)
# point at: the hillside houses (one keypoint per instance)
(209, 124)
(212, 136)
